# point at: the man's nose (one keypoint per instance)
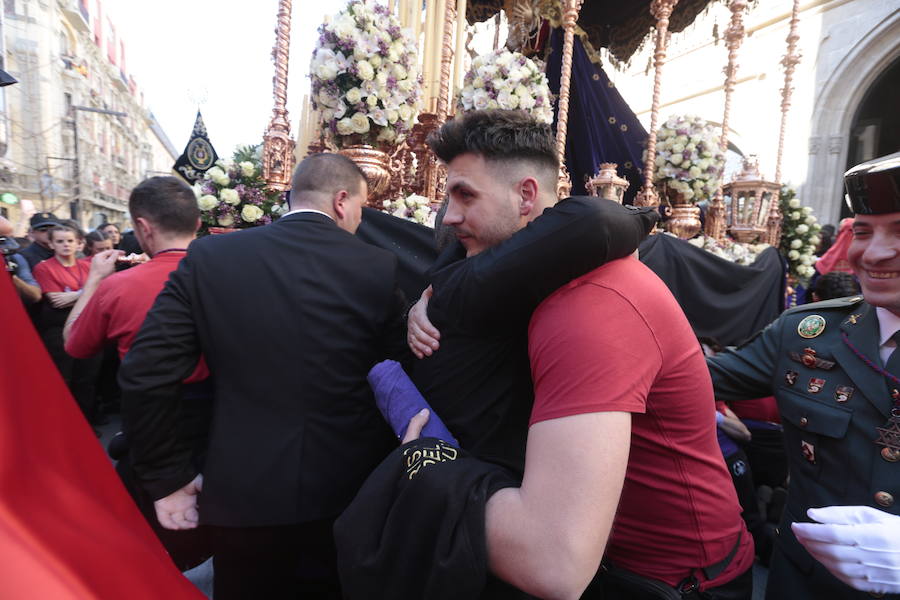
(882, 247)
(452, 216)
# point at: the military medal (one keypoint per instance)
(811, 326)
(790, 377)
(809, 451)
(815, 385)
(809, 359)
(842, 393)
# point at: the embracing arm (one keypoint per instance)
(165, 351)
(548, 536)
(504, 284)
(748, 371)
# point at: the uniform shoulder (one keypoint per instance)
(846, 303)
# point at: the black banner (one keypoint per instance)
(198, 156)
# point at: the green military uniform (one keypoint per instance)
(831, 402)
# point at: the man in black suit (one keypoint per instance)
(290, 317)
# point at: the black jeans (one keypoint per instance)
(605, 587)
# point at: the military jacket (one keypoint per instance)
(831, 401)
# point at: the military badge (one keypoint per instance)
(809, 359)
(852, 319)
(842, 393)
(809, 451)
(811, 326)
(815, 385)
(790, 377)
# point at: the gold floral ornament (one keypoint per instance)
(422, 455)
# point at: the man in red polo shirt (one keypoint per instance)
(113, 307)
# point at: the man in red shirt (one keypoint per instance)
(112, 308)
(113, 305)
(622, 457)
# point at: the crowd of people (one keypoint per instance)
(597, 448)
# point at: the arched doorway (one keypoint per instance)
(839, 103)
(875, 130)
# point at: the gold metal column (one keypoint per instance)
(278, 147)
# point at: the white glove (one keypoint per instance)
(859, 545)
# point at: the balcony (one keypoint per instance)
(77, 14)
(74, 66)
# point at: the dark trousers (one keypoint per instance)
(79, 374)
(280, 562)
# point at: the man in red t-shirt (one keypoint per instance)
(622, 457)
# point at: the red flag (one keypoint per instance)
(68, 528)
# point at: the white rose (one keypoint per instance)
(248, 169)
(801, 229)
(807, 210)
(421, 214)
(353, 95)
(365, 70)
(795, 216)
(230, 196)
(805, 259)
(507, 100)
(815, 240)
(375, 60)
(676, 159)
(344, 127)
(794, 203)
(372, 101)
(400, 72)
(218, 176)
(226, 220)
(405, 112)
(387, 134)
(359, 123)
(198, 190)
(793, 255)
(207, 202)
(251, 213)
(796, 244)
(327, 71)
(526, 101)
(392, 115)
(678, 148)
(504, 59)
(406, 85)
(694, 171)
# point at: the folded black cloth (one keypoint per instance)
(416, 527)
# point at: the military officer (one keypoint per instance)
(831, 366)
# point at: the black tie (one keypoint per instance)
(893, 362)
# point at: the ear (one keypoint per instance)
(339, 204)
(143, 225)
(527, 189)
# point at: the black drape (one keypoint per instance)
(722, 300)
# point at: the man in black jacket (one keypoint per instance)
(290, 318)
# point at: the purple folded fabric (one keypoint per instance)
(398, 400)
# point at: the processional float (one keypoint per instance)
(746, 208)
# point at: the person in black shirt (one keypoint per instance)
(40, 226)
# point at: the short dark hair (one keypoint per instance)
(836, 284)
(167, 202)
(326, 173)
(505, 136)
(74, 226)
(95, 236)
(108, 224)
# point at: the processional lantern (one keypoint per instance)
(607, 184)
(749, 198)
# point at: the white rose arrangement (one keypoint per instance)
(508, 80)
(365, 79)
(688, 157)
(799, 236)
(736, 252)
(234, 194)
(413, 208)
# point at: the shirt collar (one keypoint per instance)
(888, 324)
(307, 210)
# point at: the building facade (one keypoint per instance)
(846, 86)
(73, 82)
